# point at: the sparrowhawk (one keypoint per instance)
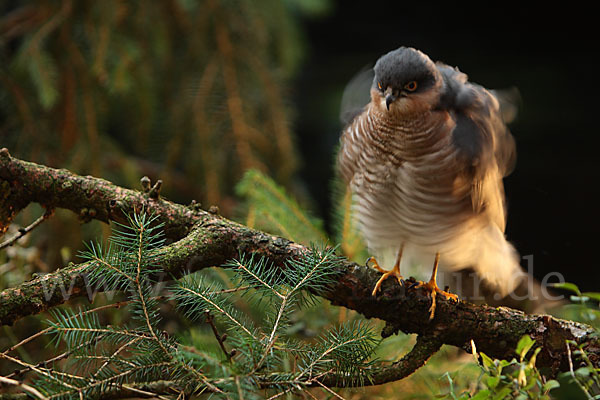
(425, 159)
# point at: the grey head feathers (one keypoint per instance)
(401, 66)
(394, 69)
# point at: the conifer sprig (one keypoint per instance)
(257, 353)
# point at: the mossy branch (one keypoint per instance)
(203, 239)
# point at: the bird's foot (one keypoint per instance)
(433, 289)
(386, 274)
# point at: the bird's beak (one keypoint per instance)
(389, 99)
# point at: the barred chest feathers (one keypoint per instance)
(403, 174)
(409, 188)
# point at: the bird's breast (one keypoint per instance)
(405, 181)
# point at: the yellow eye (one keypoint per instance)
(411, 86)
(379, 86)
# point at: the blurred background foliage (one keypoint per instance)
(191, 92)
(197, 92)
(194, 92)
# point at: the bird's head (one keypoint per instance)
(406, 81)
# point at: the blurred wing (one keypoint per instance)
(357, 94)
(510, 102)
(483, 141)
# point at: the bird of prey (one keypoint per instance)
(425, 160)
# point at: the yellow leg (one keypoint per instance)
(433, 288)
(386, 274)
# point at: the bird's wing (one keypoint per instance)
(483, 142)
(356, 95)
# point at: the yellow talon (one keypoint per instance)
(433, 289)
(386, 274)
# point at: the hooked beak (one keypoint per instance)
(389, 99)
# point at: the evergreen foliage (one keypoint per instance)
(104, 358)
(192, 90)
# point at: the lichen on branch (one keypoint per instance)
(203, 239)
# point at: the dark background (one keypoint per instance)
(549, 55)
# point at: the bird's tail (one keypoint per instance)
(498, 261)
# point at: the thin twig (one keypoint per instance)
(54, 359)
(142, 299)
(221, 310)
(262, 282)
(109, 380)
(220, 338)
(143, 392)
(233, 290)
(23, 386)
(113, 355)
(239, 388)
(24, 231)
(41, 371)
(572, 373)
(44, 331)
(264, 356)
(204, 379)
(284, 302)
(306, 391)
(277, 395)
(329, 390)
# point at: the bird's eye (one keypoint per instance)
(411, 86)
(379, 85)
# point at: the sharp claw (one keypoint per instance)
(384, 276)
(433, 290)
(432, 308)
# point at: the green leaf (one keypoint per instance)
(482, 394)
(492, 381)
(487, 361)
(506, 363)
(592, 295)
(502, 394)
(571, 287)
(523, 346)
(551, 384)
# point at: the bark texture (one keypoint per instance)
(202, 239)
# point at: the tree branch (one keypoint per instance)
(22, 183)
(204, 239)
(424, 348)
